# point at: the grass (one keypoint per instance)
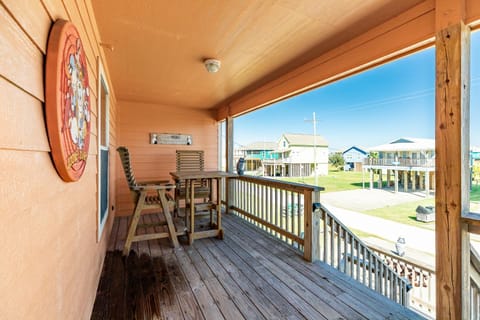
(475, 193)
(336, 180)
(404, 213)
(362, 234)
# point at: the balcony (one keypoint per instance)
(257, 271)
(399, 163)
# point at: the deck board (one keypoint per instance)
(248, 275)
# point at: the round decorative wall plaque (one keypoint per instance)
(67, 101)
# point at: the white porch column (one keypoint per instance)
(427, 184)
(371, 179)
(414, 180)
(396, 181)
(380, 182)
(405, 180)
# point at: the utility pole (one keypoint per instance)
(314, 147)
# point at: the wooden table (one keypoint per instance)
(190, 177)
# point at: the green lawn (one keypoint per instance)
(475, 193)
(404, 213)
(335, 181)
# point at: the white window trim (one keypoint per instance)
(102, 84)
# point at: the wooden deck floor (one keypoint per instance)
(248, 275)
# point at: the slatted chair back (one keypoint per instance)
(190, 160)
(127, 169)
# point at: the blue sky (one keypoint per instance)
(388, 102)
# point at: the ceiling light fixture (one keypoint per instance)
(212, 65)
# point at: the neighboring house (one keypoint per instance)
(353, 158)
(296, 156)
(255, 153)
(409, 162)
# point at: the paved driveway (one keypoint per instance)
(366, 199)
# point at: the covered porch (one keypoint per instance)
(145, 61)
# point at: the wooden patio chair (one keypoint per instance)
(148, 195)
(190, 160)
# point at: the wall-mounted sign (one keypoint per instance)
(67, 101)
(170, 138)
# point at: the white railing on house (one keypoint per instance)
(285, 210)
(401, 162)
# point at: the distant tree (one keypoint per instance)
(336, 160)
(373, 155)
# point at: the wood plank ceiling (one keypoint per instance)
(159, 46)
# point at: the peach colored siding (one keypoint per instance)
(51, 261)
(150, 162)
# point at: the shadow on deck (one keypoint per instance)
(248, 275)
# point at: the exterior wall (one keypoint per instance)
(51, 260)
(306, 155)
(354, 155)
(154, 162)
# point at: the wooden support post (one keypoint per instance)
(421, 180)
(451, 145)
(388, 177)
(230, 165)
(396, 180)
(308, 226)
(405, 180)
(380, 182)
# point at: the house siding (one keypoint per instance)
(51, 260)
(155, 162)
(354, 155)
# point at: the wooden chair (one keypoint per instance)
(190, 160)
(147, 195)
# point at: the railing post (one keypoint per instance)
(311, 225)
(230, 164)
(307, 225)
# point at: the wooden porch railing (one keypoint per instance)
(420, 275)
(286, 210)
(277, 207)
(343, 250)
(474, 284)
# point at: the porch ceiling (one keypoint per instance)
(159, 46)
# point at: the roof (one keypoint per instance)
(356, 148)
(298, 139)
(260, 145)
(406, 144)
